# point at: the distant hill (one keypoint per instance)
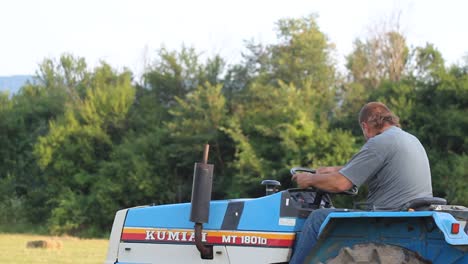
(13, 83)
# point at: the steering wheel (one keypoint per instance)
(352, 191)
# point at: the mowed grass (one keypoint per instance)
(68, 250)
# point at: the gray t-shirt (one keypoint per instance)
(395, 167)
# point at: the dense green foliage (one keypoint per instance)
(79, 144)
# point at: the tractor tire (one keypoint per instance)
(376, 254)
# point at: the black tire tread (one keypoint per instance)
(372, 253)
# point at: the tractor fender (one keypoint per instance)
(443, 221)
(426, 233)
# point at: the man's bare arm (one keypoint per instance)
(331, 169)
(332, 182)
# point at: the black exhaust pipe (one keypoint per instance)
(201, 197)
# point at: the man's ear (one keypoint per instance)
(364, 126)
(365, 130)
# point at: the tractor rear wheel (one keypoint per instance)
(376, 254)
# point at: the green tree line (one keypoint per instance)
(77, 144)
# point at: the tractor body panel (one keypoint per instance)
(241, 231)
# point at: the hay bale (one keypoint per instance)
(48, 243)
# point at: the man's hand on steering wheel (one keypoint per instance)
(302, 176)
(302, 179)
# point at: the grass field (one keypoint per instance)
(13, 250)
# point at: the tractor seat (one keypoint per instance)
(423, 203)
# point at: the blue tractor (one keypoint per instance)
(264, 230)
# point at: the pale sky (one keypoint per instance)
(121, 32)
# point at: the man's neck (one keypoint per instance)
(385, 127)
